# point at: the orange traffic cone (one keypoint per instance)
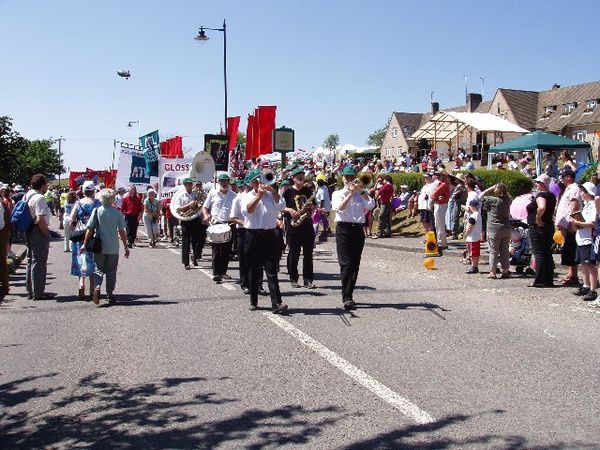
(431, 247)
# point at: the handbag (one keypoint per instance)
(94, 244)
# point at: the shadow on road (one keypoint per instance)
(170, 413)
(430, 437)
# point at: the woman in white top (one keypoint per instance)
(69, 205)
(151, 216)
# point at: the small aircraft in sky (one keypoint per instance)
(124, 74)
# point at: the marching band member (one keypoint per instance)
(349, 204)
(217, 209)
(237, 217)
(260, 207)
(190, 229)
(299, 203)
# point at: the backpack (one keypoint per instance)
(21, 216)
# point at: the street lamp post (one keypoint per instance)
(130, 124)
(202, 37)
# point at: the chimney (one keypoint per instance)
(555, 86)
(435, 108)
(473, 101)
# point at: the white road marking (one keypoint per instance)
(551, 335)
(404, 405)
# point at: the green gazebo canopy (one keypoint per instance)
(538, 140)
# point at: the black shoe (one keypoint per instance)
(280, 309)
(472, 270)
(245, 290)
(130, 245)
(253, 308)
(217, 279)
(590, 296)
(261, 291)
(581, 290)
(111, 300)
(294, 283)
(194, 261)
(187, 267)
(349, 305)
(309, 285)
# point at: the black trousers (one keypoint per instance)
(132, 221)
(261, 252)
(349, 241)
(234, 240)
(190, 233)
(301, 239)
(242, 260)
(201, 239)
(541, 244)
(220, 257)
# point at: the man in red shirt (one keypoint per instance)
(441, 196)
(132, 209)
(384, 197)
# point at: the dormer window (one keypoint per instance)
(408, 130)
(394, 132)
(548, 110)
(590, 105)
(569, 108)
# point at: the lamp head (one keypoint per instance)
(202, 37)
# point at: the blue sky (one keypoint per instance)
(330, 66)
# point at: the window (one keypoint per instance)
(590, 105)
(408, 130)
(548, 110)
(580, 135)
(394, 132)
(569, 108)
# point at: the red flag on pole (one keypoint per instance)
(250, 137)
(172, 148)
(233, 124)
(256, 134)
(266, 120)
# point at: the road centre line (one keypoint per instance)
(404, 405)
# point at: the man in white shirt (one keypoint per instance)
(570, 202)
(260, 208)
(38, 240)
(237, 217)
(349, 204)
(217, 210)
(190, 229)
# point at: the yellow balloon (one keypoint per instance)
(429, 263)
(558, 237)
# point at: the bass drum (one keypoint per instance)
(218, 233)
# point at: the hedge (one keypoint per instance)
(587, 174)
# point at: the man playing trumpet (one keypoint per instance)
(349, 204)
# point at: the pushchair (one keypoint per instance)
(520, 247)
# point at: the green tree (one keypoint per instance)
(21, 158)
(375, 139)
(241, 138)
(331, 142)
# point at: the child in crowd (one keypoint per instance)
(473, 234)
(584, 221)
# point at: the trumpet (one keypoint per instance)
(366, 178)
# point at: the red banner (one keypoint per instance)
(250, 137)
(233, 125)
(172, 148)
(107, 177)
(266, 121)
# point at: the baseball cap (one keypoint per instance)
(223, 177)
(188, 180)
(567, 172)
(349, 170)
(298, 170)
(590, 188)
(240, 183)
(252, 175)
(544, 179)
(88, 186)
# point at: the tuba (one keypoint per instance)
(268, 177)
(203, 170)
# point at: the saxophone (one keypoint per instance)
(304, 212)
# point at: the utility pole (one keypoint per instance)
(60, 139)
(482, 78)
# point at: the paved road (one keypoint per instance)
(431, 359)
